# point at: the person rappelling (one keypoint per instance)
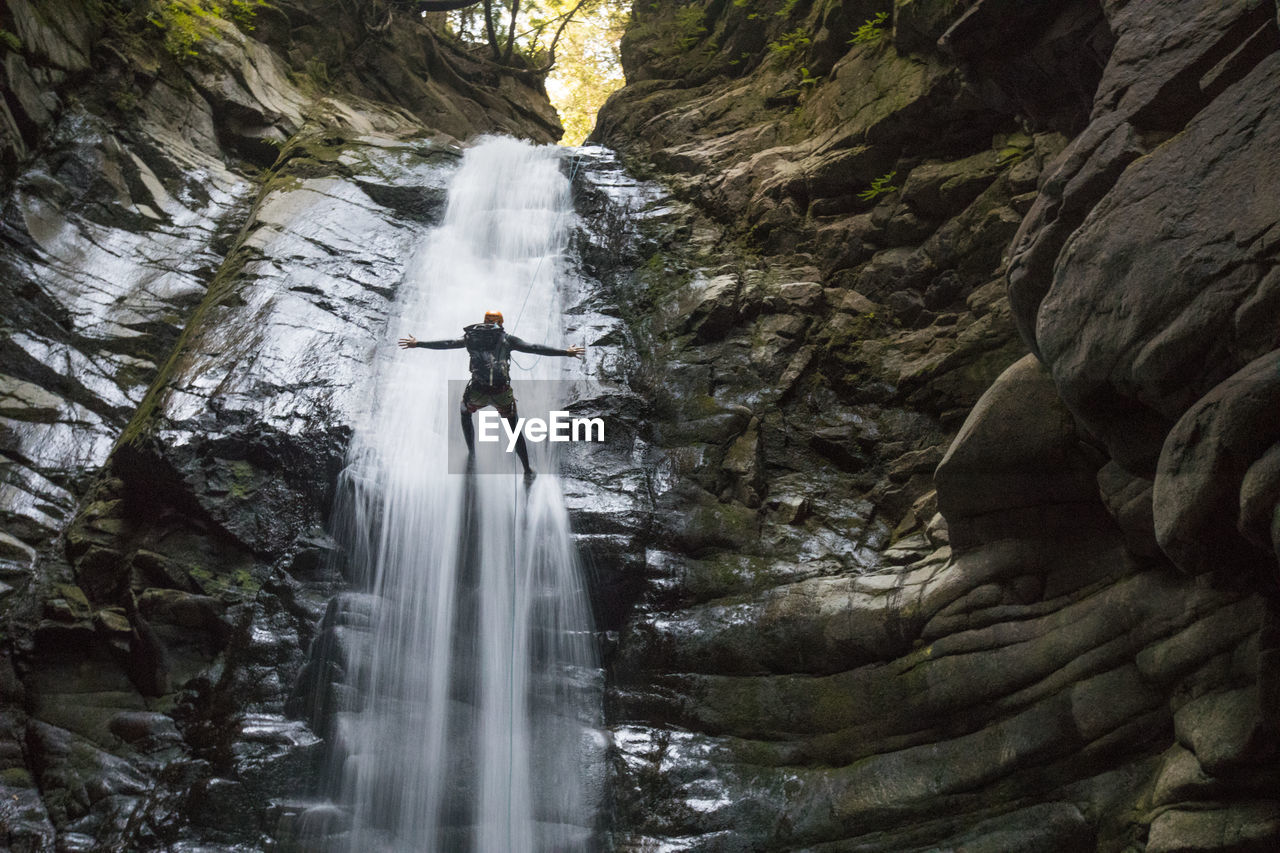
(490, 348)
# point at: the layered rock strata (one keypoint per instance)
(202, 241)
(888, 204)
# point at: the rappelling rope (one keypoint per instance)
(515, 508)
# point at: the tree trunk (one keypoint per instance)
(511, 32)
(489, 29)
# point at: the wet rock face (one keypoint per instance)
(199, 256)
(1171, 374)
(1078, 651)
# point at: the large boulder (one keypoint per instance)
(1169, 286)
(1017, 462)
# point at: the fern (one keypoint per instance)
(789, 43)
(882, 185)
(871, 30)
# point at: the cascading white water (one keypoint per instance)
(479, 689)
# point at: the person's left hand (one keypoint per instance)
(408, 342)
(576, 352)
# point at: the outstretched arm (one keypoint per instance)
(539, 349)
(409, 342)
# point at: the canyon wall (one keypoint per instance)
(941, 508)
(965, 354)
(205, 222)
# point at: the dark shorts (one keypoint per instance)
(478, 396)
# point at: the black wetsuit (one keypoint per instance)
(490, 349)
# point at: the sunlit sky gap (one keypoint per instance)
(587, 68)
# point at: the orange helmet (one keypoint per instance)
(493, 317)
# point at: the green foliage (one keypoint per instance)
(882, 185)
(581, 37)
(789, 43)
(11, 40)
(126, 100)
(314, 76)
(243, 12)
(806, 80)
(588, 67)
(871, 30)
(186, 23)
(690, 26)
(787, 8)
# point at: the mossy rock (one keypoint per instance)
(703, 524)
(68, 603)
(16, 777)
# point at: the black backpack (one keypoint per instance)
(484, 342)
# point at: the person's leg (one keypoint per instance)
(506, 407)
(522, 450)
(468, 429)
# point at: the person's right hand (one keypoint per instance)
(408, 342)
(576, 352)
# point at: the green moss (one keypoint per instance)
(74, 596)
(673, 36)
(1013, 148)
(245, 581)
(16, 777)
(638, 295)
(240, 581)
(220, 290)
(244, 12)
(729, 573)
(703, 406)
(242, 480)
(11, 41)
(690, 27)
(716, 525)
(185, 24)
(314, 78)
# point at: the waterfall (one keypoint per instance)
(476, 699)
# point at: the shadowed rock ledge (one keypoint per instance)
(887, 205)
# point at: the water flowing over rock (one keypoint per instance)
(477, 676)
(940, 503)
(200, 255)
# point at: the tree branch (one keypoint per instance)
(551, 50)
(444, 5)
